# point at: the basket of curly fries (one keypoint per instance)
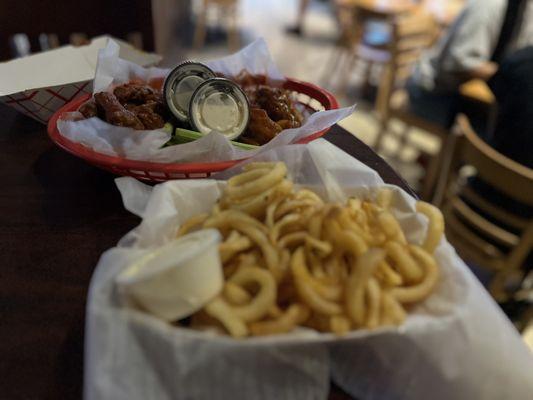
(294, 268)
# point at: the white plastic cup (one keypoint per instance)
(177, 279)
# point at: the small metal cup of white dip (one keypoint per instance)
(180, 85)
(219, 105)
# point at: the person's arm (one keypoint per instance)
(473, 39)
(484, 71)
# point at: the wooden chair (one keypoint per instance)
(357, 43)
(226, 9)
(411, 35)
(469, 217)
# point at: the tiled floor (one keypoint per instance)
(305, 57)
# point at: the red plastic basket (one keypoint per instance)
(312, 97)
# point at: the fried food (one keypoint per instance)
(435, 227)
(261, 129)
(147, 114)
(290, 259)
(245, 79)
(136, 93)
(286, 322)
(115, 113)
(277, 105)
(135, 105)
(89, 109)
(272, 111)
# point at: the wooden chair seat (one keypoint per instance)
(470, 248)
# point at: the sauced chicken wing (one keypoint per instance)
(136, 93)
(261, 129)
(277, 104)
(89, 109)
(135, 105)
(115, 113)
(245, 79)
(147, 114)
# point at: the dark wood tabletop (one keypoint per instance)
(57, 215)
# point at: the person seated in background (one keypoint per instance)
(512, 85)
(483, 34)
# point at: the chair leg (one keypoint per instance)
(449, 145)
(331, 66)
(233, 31)
(346, 75)
(432, 173)
(383, 129)
(385, 87)
(200, 31)
(403, 140)
(366, 79)
(497, 286)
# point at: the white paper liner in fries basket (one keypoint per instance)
(457, 344)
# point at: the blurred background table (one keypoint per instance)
(444, 12)
(58, 215)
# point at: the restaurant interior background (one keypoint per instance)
(329, 50)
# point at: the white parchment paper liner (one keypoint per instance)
(456, 345)
(146, 145)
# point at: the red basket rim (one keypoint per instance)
(115, 162)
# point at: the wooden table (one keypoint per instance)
(444, 11)
(58, 214)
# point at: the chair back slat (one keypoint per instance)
(411, 34)
(405, 59)
(484, 232)
(415, 42)
(468, 237)
(501, 214)
(484, 226)
(504, 174)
